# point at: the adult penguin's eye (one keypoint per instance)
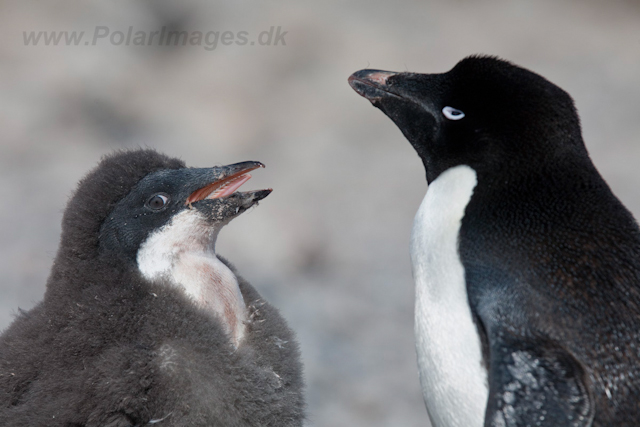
(452, 113)
(158, 201)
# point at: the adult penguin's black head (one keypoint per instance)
(133, 194)
(486, 113)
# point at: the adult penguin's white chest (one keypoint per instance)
(453, 379)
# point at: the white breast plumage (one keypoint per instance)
(454, 382)
(182, 253)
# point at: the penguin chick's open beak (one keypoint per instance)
(372, 84)
(223, 189)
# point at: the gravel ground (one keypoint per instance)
(329, 247)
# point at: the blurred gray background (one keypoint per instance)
(329, 247)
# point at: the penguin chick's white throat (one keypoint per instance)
(183, 253)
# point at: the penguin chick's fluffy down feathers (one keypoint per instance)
(112, 346)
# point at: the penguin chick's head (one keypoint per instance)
(486, 113)
(131, 194)
(190, 203)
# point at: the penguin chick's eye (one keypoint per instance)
(452, 113)
(158, 201)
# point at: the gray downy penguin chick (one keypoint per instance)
(527, 267)
(142, 322)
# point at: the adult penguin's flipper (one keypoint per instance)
(536, 383)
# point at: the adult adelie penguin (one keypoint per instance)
(527, 267)
(142, 323)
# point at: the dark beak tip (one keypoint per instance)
(372, 76)
(261, 194)
(358, 79)
(370, 84)
(251, 198)
(248, 165)
(353, 79)
(253, 164)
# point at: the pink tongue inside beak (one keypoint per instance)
(230, 187)
(221, 188)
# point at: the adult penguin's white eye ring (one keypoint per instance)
(452, 113)
(158, 201)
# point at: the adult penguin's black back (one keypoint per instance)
(527, 267)
(142, 323)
